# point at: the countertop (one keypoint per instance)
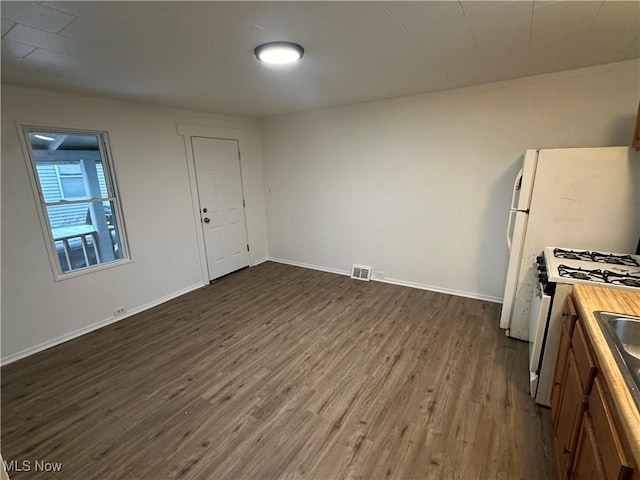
(590, 299)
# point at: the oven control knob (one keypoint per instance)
(540, 260)
(542, 277)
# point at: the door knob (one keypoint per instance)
(206, 220)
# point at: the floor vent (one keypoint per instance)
(361, 272)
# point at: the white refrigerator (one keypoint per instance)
(580, 198)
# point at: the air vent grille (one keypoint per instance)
(361, 272)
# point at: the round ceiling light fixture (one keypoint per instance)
(279, 52)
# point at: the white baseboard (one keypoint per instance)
(260, 260)
(310, 266)
(95, 326)
(448, 291)
(392, 281)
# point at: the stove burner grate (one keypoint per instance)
(598, 257)
(572, 254)
(626, 260)
(627, 279)
(595, 275)
(599, 276)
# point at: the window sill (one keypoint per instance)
(92, 269)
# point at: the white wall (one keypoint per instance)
(151, 168)
(419, 187)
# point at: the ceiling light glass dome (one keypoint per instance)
(279, 52)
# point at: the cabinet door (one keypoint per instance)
(587, 464)
(561, 368)
(587, 369)
(570, 314)
(570, 410)
(614, 460)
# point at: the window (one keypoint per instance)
(76, 189)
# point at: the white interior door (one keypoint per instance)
(221, 204)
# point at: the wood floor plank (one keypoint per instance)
(281, 372)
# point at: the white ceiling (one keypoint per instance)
(199, 55)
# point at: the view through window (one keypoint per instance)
(78, 198)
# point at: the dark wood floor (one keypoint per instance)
(282, 372)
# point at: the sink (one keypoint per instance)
(622, 333)
(627, 331)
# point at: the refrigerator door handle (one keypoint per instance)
(517, 184)
(511, 215)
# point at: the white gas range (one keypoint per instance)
(558, 269)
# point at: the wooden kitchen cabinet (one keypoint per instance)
(569, 415)
(585, 363)
(569, 317)
(570, 314)
(560, 373)
(614, 459)
(587, 463)
(587, 436)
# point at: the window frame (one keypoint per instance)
(113, 196)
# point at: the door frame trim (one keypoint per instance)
(188, 132)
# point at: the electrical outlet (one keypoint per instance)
(119, 311)
(379, 274)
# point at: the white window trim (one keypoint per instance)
(112, 186)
